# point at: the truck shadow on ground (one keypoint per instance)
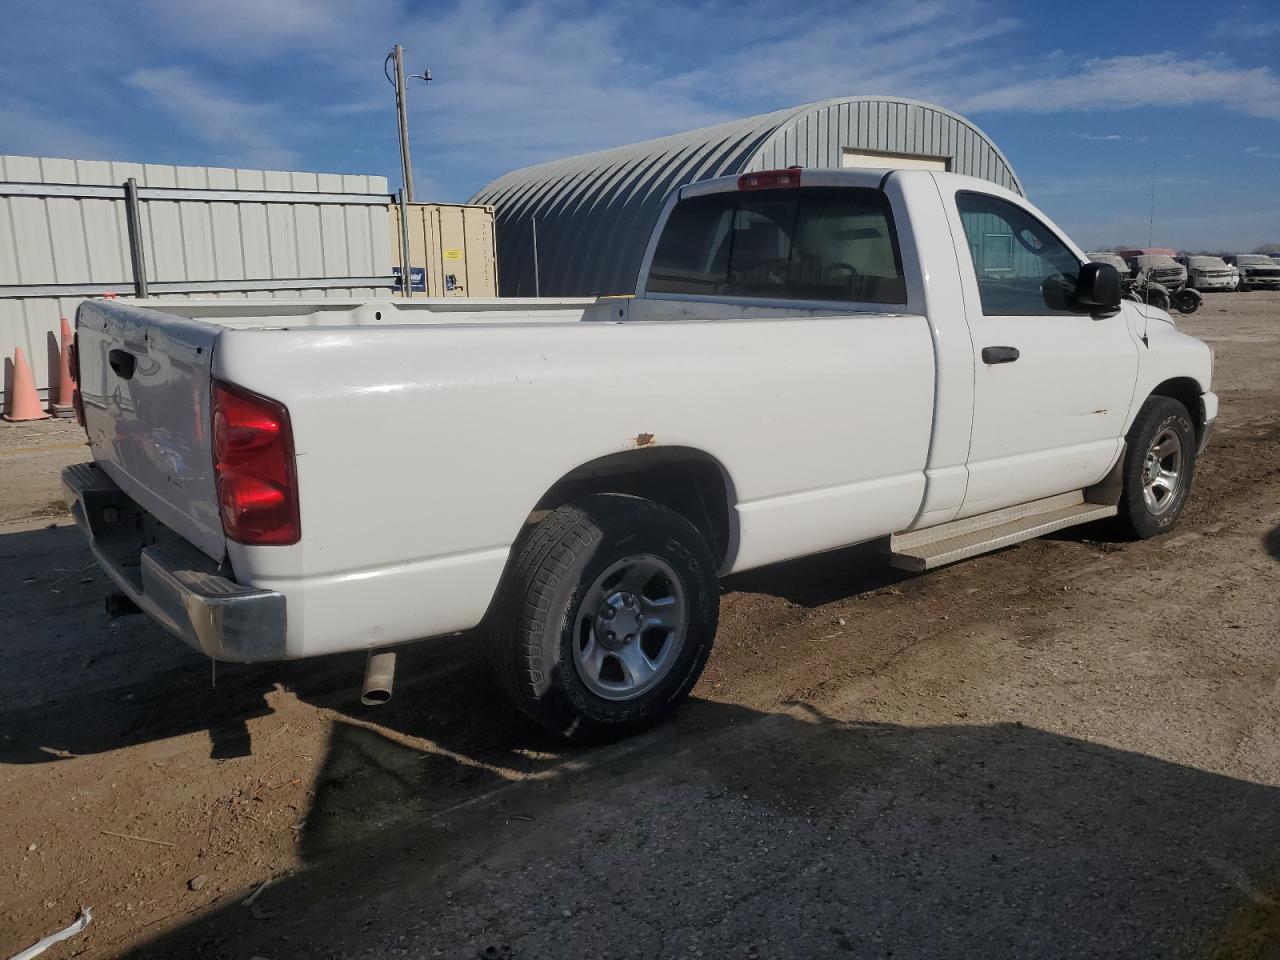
(726, 824)
(737, 833)
(76, 683)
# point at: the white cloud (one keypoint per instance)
(1129, 82)
(521, 81)
(499, 91)
(1107, 137)
(234, 129)
(234, 29)
(1245, 26)
(915, 48)
(35, 133)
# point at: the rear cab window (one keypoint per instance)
(831, 244)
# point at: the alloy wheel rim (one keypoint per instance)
(1162, 472)
(630, 627)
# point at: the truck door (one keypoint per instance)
(1052, 386)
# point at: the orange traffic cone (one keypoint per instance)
(62, 406)
(24, 402)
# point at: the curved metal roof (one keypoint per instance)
(595, 211)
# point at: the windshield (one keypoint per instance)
(816, 243)
(1256, 261)
(1156, 260)
(1208, 263)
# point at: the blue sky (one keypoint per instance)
(1093, 103)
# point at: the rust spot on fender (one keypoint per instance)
(643, 440)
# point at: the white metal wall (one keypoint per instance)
(68, 241)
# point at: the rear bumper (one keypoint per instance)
(170, 580)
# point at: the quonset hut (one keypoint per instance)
(594, 212)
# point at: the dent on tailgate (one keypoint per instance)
(145, 378)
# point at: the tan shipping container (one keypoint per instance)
(454, 243)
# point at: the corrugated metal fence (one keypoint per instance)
(74, 228)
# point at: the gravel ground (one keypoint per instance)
(1069, 748)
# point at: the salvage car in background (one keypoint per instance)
(1113, 259)
(1257, 271)
(1207, 273)
(809, 361)
(1158, 265)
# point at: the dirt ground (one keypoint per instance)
(1070, 748)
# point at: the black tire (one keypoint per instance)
(1158, 417)
(539, 618)
(1187, 301)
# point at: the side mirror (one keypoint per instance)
(1098, 290)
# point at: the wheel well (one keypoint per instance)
(688, 481)
(1187, 392)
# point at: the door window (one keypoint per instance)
(1022, 266)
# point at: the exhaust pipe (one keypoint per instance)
(379, 674)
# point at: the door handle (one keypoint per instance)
(1000, 354)
(123, 363)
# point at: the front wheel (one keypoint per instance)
(1159, 465)
(606, 618)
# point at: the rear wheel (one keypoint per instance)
(607, 617)
(1159, 465)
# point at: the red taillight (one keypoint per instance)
(253, 459)
(770, 179)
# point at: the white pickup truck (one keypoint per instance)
(812, 358)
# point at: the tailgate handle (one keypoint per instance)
(122, 362)
(1000, 354)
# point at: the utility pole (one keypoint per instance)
(406, 161)
(402, 113)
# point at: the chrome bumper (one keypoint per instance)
(170, 580)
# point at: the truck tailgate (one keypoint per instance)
(144, 380)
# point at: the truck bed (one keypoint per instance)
(426, 432)
(276, 314)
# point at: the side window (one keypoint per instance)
(1023, 268)
(817, 243)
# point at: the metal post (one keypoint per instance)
(402, 112)
(537, 281)
(137, 253)
(406, 270)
